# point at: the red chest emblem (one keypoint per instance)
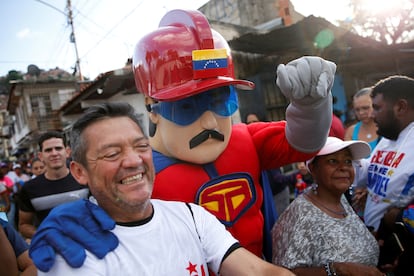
(227, 197)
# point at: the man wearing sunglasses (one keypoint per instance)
(186, 72)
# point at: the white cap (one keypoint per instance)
(15, 166)
(359, 149)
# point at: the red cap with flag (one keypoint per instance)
(182, 58)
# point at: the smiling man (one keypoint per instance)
(156, 237)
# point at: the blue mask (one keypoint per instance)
(222, 101)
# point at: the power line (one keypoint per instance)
(113, 28)
(60, 47)
(53, 7)
(88, 19)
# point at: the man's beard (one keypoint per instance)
(390, 130)
(205, 135)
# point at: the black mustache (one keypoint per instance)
(204, 135)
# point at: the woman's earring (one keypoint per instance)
(314, 188)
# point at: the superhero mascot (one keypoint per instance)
(186, 72)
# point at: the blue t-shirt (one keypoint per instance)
(18, 243)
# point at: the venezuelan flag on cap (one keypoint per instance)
(209, 63)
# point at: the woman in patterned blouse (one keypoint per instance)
(319, 233)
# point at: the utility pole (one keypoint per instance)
(72, 35)
(73, 40)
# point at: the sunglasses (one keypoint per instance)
(222, 101)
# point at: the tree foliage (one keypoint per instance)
(4, 81)
(389, 21)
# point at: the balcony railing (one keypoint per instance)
(44, 123)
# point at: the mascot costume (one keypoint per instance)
(186, 72)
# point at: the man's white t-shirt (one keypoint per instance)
(389, 174)
(171, 243)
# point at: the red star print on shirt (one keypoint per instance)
(193, 268)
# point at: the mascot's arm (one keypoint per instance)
(307, 83)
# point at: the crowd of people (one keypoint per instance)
(200, 195)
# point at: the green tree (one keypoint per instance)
(4, 81)
(389, 21)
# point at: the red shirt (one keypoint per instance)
(337, 128)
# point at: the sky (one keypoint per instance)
(106, 31)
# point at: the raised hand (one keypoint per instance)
(306, 79)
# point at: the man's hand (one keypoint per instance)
(68, 230)
(360, 198)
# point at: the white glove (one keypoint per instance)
(306, 80)
(307, 83)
